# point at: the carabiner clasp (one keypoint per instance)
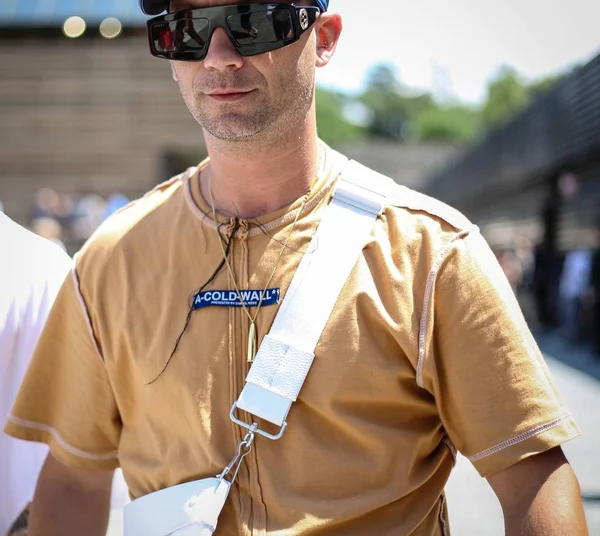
(243, 449)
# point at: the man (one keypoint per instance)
(33, 270)
(426, 350)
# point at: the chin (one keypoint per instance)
(234, 129)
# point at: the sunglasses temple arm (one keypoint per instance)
(313, 13)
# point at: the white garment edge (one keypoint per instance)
(285, 354)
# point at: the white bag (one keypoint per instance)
(188, 509)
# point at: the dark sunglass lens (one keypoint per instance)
(180, 35)
(266, 26)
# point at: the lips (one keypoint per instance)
(228, 91)
(228, 94)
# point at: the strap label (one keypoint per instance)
(230, 298)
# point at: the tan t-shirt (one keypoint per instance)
(426, 352)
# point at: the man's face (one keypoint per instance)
(237, 98)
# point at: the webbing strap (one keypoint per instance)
(287, 352)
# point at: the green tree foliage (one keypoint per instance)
(457, 123)
(545, 84)
(507, 95)
(392, 110)
(334, 128)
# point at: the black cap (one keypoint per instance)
(154, 7)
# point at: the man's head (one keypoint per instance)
(251, 72)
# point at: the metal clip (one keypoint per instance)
(252, 426)
(243, 449)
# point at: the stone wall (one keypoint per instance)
(87, 115)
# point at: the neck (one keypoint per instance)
(249, 181)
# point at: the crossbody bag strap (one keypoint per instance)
(287, 352)
(284, 357)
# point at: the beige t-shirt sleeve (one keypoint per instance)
(66, 400)
(494, 392)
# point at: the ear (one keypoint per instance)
(328, 30)
(173, 71)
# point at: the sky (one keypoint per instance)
(454, 47)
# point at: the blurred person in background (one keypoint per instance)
(574, 285)
(47, 204)
(50, 229)
(546, 282)
(114, 202)
(525, 290)
(89, 213)
(426, 352)
(595, 291)
(511, 266)
(32, 271)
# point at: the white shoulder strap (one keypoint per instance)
(284, 357)
(287, 352)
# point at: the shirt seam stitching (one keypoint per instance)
(85, 311)
(442, 517)
(206, 219)
(424, 322)
(66, 446)
(518, 438)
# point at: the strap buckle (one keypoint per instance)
(359, 196)
(254, 427)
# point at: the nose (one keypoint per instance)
(221, 54)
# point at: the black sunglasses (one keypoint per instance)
(252, 28)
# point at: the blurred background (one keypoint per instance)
(491, 107)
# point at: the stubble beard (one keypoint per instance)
(267, 121)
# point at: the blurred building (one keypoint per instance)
(538, 177)
(410, 164)
(89, 113)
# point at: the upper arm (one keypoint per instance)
(494, 393)
(66, 399)
(540, 495)
(524, 480)
(77, 479)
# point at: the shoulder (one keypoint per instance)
(412, 213)
(31, 257)
(33, 270)
(132, 228)
(421, 207)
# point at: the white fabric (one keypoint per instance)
(188, 509)
(280, 368)
(260, 401)
(286, 354)
(32, 270)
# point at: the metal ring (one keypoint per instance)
(254, 427)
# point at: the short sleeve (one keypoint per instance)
(493, 390)
(66, 400)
